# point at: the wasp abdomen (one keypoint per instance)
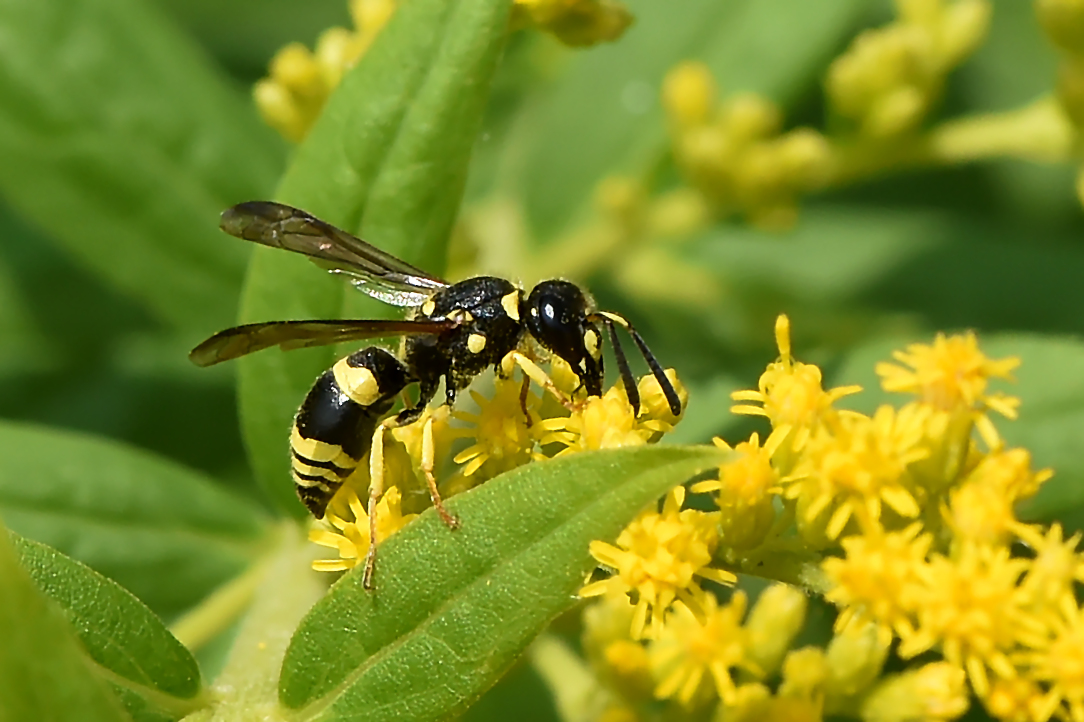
(333, 428)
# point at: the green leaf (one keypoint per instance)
(451, 611)
(605, 116)
(165, 532)
(388, 159)
(43, 670)
(119, 140)
(1050, 384)
(121, 635)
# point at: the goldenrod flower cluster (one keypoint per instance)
(300, 80)
(735, 153)
(508, 428)
(903, 519)
(886, 83)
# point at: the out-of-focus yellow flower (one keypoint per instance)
(854, 467)
(855, 658)
(1018, 700)
(746, 488)
(1063, 22)
(1054, 570)
(775, 620)
(688, 650)
(299, 80)
(971, 607)
(933, 692)
(1056, 659)
(574, 22)
(890, 77)
(953, 374)
(619, 662)
(805, 672)
(659, 556)
(790, 395)
(879, 579)
(346, 527)
(735, 153)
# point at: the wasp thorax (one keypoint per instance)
(556, 316)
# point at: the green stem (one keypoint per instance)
(247, 688)
(220, 609)
(1039, 132)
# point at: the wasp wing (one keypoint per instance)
(242, 340)
(379, 274)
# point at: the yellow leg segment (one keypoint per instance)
(536, 374)
(376, 486)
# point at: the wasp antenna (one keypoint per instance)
(668, 389)
(622, 362)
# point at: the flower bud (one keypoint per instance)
(689, 94)
(855, 656)
(773, 623)
(936, 691)
(1063, 21)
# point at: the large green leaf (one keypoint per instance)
(452, 610)
(165, 532)
(605, 116)
(119, 140)
(1051, 422)
(154, 674)
(43, 671)
(387, 158)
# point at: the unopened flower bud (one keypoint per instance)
(855, 656)
(688, 94)
(936, 691)
(773, 623)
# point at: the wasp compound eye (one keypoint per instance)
(557, 318)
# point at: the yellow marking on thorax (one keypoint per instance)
(320, 451)
(428, 307)
(358, 384)
(590, 340)
(476, 342)
(510, 303)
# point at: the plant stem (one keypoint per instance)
(247, 688)
(220, 609)
(1039, 132)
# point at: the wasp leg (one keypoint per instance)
(376, 485)
(540, 377)
(428, 461)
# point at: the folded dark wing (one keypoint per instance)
(242, 340)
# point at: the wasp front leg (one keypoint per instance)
(334, 426)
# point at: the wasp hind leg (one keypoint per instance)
(376, 485)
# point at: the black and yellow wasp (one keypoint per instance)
(453, 333)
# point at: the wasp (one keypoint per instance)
(452, 333)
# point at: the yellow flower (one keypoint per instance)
(805, 672)
(346, 527)
(687, 650)
(853, 468)
(575, 22)
(980, 513)
(747, 485)
(971, 607)
(952, 374)
(601, 422)
(790, 393)
(878, 578)
(503, 435)
(1057, 660)
(1009, 472)
(658, 556)
(1018, 700)
(688, 94)
(933, 692)
(299, 80)
(1053, 571)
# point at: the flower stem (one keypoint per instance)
(1039, 132)
(286, 589)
